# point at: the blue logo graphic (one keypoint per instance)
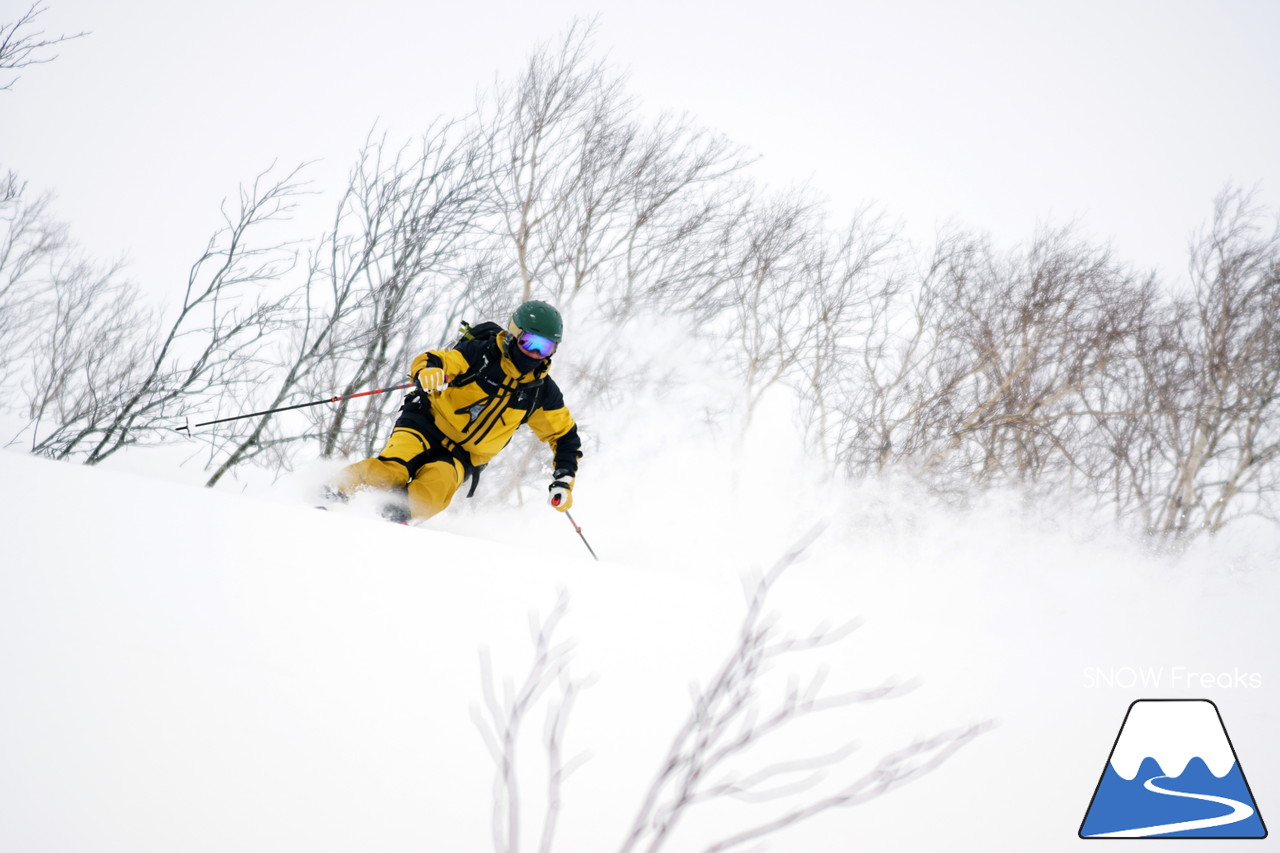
(1173, 773)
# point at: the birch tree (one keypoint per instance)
(1221, 427)
(209, 349)
(372, 284)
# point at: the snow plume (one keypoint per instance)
(194, 669)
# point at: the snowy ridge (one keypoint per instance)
(1172, 733)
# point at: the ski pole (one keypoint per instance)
(337, 399)
(579, 530)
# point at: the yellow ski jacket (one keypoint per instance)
(488, 399)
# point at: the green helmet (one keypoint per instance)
(538, 318)
(535, 329)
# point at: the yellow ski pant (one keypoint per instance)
(432, 476)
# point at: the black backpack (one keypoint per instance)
(488, 331)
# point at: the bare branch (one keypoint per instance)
(503, 717)
(728, 718)
(21, 47)
(893, 771)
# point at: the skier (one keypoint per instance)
(466, 404)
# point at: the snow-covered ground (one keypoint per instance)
(204, 670)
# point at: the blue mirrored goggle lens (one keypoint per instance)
(536, 344)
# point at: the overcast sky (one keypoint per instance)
(1125, 116)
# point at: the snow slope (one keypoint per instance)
(196, 670)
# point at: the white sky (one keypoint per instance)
(1125, 116)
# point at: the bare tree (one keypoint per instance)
(210, 350)
(533, 136)
(728, 720)
(31, 242)
(709, 758)
(89, 349)
(846, 280)
(1045, 327)
(993, 370)
(373, 282)
(593, 199)
(636, 193)
(1221, 428)
(503, 717)
(1121, 449)
(765, 253)
(905, 375)
(1059, 367)
(673, 261)
(588, 192)
(21, 46)
(415, 214)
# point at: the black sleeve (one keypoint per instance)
(568, 451)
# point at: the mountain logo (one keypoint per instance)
(1172, 773)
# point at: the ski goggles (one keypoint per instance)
(534, 345)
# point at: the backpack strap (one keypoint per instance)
(474, 471)
(490, 356)
(536, 386)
